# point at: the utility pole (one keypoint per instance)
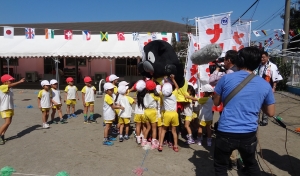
(286, 25)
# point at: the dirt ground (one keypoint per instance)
(77, 148)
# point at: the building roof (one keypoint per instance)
(96, 27)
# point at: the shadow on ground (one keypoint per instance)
(24, 132)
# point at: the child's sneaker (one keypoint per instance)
(54, 122)
(165, 143)
(190, 141)
(2, 142)
(208, 142)
(114, 131)
(74, 115)
(138, 140)
(111, 138)
(62, 121)
(121, 139)
(69, 116)
(154, 144)
(126, 137)
(45, 125)
(144, 142)
(108, 143)
(93, 121)
(170, 145)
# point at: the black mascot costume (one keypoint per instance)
(160, 60)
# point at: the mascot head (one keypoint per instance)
(160, 60)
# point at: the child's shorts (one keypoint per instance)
(124, 120)
(139, 118)
(7, 113)
(45, 109)
(159, 121)
(71, 102)
(89, 103)
(56, 106)
(108, 121)
(150, 115)
(170, 118)
(117, 111)
(205, 123)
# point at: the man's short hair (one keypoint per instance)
(249, 58)
(231, 54)
(265, 53)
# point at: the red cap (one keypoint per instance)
(69, 79)
(87, 79)
(6, 77)
(107, 79)
(150, 85)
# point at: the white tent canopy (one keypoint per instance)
(19, 46)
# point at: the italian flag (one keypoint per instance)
(164, 36)
(49, 33)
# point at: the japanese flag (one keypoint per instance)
(256, 33)
(8, 32)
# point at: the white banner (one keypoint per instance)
(240, 36)
(215, 29)
(191, 70)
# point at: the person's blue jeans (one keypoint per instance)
(246, 144)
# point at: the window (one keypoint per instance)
(12, 62)
(71, 62)
(126, 67)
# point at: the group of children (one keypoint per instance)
(156, 112)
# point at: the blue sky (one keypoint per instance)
(42, 11)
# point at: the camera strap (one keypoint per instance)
(238, 88)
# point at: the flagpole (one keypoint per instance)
(250, 33)
(7, 60)
(215, 15)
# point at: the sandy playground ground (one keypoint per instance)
(77, 148)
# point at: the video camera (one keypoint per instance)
(217, 63)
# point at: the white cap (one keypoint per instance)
(158, 88)
(45, 83)
(123, 83)
(122, 89)
(108, 86)
(140, 85)
(207, 88)
(113, 77)
(167, 89)
(53, 81)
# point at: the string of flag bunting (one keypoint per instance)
(8, 32)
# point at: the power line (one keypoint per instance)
(245, 12)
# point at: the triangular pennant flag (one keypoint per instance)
(256, 33)
(104, 36)
(164, 36)
(279, 30)
(270, 41)
(29, 33)
(49, 33)
(264, 32)
(277, 37)
(292, 33)
(135, 36)
(86, 35)
(121, 36)
(68, 34)
(8, 32)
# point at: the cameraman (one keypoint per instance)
(229, 64)
(238, 123)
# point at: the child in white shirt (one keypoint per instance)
(71, 96)
(7, 103)
(125, 114)
(56, 100)
(88, 99)
(44, 102)
(109, 112)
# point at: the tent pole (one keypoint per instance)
(7, 59)
(110, 65)
(56, 61)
